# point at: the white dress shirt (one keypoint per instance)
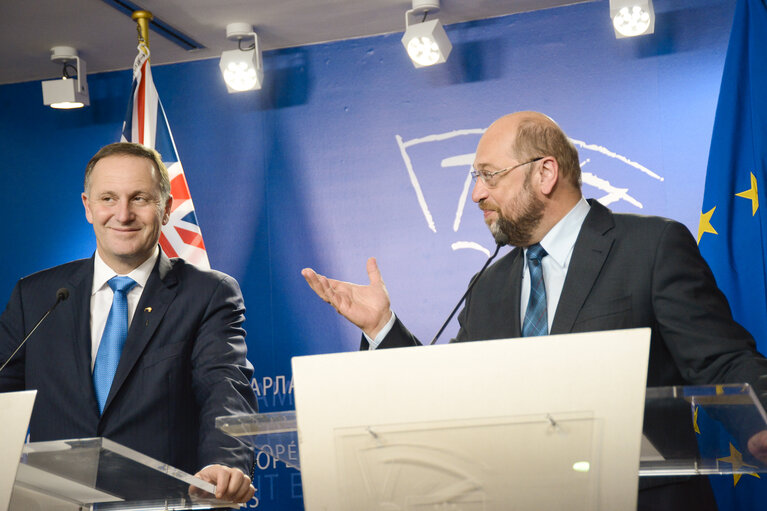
(102, 295)
(558, 244)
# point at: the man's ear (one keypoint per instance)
(549, 175)
(86, 205)
(166, 211)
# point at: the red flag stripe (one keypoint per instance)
(141, 103)
(190, 237)
(166, 246)
(179, 190)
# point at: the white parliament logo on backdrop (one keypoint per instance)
(608, 173)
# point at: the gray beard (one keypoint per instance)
(497, 230)
(518, 233)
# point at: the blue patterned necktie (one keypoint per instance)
(536, 318)
(112, 340)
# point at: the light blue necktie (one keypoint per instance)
(112, 340)
(536, 318)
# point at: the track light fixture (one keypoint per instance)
(242, 68)
(632, 17)
(425, 41)
(67, 92)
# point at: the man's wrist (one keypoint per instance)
(375, 340)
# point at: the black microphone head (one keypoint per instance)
(62, 294)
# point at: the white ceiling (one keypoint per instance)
(106, 38)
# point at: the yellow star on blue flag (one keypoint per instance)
(751, 194)
(736, 460)
(705, 224)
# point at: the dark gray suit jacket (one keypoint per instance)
(182, 366)
(626, 271)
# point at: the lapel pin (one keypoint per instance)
(147, 309)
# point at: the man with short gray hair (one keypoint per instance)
(147, 351)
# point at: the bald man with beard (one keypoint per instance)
(600, 271)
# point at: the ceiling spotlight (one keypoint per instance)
(632, 17)
(242, 68)
(425, 41)
(67, 92)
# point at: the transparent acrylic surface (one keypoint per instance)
(273, 433)
(97, 470)
(524, 462)
(723, 415)
(701, 430)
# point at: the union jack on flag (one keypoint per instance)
(146, 124)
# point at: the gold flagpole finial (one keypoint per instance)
(142, 18)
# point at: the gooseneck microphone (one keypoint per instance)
(61, 295)
(471, 285)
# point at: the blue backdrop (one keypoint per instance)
(348, 151)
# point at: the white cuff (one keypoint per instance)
(380, 337)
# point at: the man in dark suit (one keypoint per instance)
(577, 267)
(180, 359)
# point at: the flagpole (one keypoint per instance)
(142, 18)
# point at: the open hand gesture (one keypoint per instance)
(365, 306)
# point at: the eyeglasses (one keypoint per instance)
(490, 179)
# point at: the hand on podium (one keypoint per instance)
(368, 307)
(231, 483)
(757, 446)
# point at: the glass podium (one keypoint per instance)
(702, 430)
(271, 433)
(96, 473)
(688, 430)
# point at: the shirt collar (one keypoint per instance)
(102, 272)
(560, 239)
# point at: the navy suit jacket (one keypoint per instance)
(626, 271)
(184, 364)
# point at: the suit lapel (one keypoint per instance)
(589, 254)
(492, 309)
(79, 323)
(152, 306)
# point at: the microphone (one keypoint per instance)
(61, 295)
(471, 285)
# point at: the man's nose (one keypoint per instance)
(124, 212)
(479, 191)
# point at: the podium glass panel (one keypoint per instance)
(97, 470)
(701, 430)
(688, 430)
(274, 433)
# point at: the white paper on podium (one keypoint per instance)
(591, 384)
(15, 410)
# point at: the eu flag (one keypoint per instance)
(732, 233)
